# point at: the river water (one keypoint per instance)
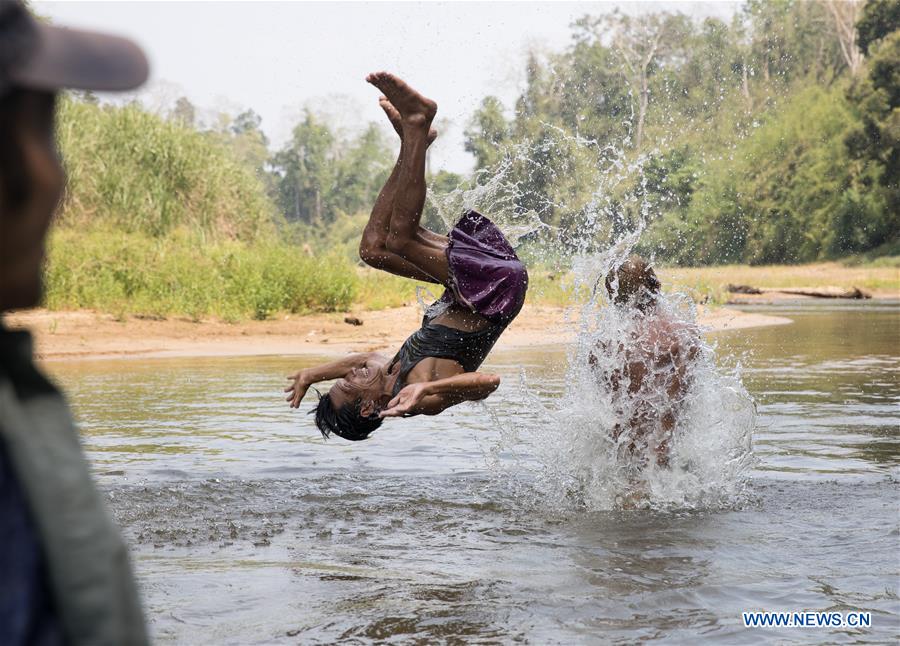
(246, 527)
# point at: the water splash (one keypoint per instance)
(563, 193)
(678, 437)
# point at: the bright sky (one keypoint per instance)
(277, 57)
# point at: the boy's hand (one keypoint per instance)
(297, 389)
(405, 401)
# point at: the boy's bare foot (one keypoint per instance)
(414, 109)
(397, 121)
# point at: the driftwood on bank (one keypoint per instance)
(855, 293)
(742, 289)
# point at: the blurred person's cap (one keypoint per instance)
(42, 57)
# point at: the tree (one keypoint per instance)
(876, 140)
(245, 136)
(360, 171)
(593, 97)
(879, 18)
(248, 121)
(706, 73)
(318, 177)
(742, 61)
(487, 132)
(639, 42)
(845, 14)
(768, 20)
(305, 170)
(790, 40)
(184, 112)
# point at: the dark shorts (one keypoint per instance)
(486, 276)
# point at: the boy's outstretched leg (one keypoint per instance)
(373, 246)
(416, 113)
(397, 122)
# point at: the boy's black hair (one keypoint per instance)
(346, 422)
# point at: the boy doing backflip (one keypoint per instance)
(485, 285)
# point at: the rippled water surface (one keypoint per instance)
(246, 527)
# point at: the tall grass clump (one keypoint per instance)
(133, 169)
(113, 270)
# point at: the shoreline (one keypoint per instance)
(88, 335)
(776, 297)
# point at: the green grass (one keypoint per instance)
(187, 274)
(184, 274)
(378, 290)
(885, 261)
(710, 282)
(133, 170)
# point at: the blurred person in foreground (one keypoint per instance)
(650, 372)
(65, 577)
(484, 280)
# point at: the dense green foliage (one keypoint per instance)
(769, 139)
(789, 192)
(317, 177)
(160, 218)
(880, 18)
(766, 140)
(875, 140)
(182, 273)
(143, 173)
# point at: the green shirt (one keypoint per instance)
(89, 574)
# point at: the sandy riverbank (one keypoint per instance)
(90, 335)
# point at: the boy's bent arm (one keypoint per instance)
(335, 369)
(303, 379)
(433, 397)
(468, 386)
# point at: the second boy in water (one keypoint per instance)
(650, 373)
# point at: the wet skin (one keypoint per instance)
(422, 257)
(394, 241)
(372, 385)
(369, 385)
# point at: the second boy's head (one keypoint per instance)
(633, 283)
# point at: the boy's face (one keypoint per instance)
(364, 384)
(24, 226)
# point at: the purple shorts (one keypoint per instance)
(486, 276)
